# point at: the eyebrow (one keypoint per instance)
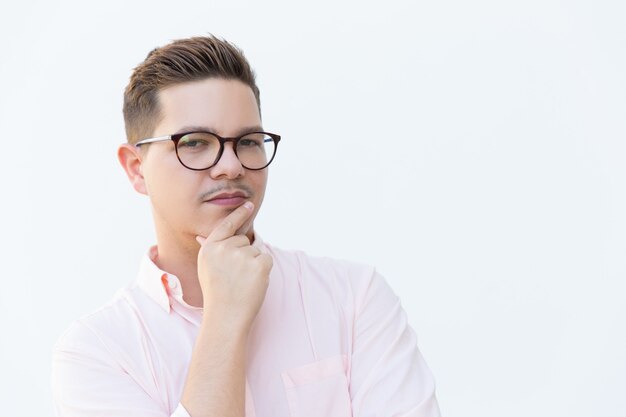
(239, 132)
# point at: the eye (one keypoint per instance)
(250, 142)
(197, 142)
(253, 140)
(193, 143)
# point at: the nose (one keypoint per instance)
(228, 166)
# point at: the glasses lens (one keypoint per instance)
(256, 150)
(198, 150)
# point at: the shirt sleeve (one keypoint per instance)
(88, 382)
(388, 376)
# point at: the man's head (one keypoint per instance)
(179, 62)
(189, 85)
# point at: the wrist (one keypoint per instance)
(226, 324)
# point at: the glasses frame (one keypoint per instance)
(222, 140)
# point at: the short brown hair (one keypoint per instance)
(180, 61)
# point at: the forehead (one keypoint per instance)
(219, 105)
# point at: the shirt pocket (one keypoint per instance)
(319, 389)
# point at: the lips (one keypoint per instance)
(228, 198)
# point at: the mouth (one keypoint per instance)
(235, 198)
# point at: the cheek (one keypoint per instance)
(172, 191)
(259, 184)
(162, 173)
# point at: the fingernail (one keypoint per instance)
(248, 205)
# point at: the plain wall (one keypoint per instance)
(473, 151)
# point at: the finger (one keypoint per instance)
(251, 251)
(231, 223)
(265, 260)
(237, 241)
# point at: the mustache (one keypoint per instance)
(226, 188)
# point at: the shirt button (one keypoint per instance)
(172, 283)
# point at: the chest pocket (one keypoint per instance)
(319, 389)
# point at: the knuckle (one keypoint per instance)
(219, 247)
(206, 248)
(266, 260)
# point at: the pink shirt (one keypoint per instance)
(331, 339)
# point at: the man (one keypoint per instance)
(219, 323)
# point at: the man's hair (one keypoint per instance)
(180, 61)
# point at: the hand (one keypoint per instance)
(233, 275)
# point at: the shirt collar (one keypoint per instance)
(152, 280)
(161, 286)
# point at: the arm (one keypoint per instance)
(88, 380)
(388, 374)
(216, 380)
(234, 277)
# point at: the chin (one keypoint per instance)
(247, 229)
(250, 234)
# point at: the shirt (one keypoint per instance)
(330, 339)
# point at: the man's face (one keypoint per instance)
(183, 201)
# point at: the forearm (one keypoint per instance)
(234, 277)
(215, 383)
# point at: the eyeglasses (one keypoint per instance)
(202, 150)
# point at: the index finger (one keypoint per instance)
(231, 223)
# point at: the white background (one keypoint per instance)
(473, 151)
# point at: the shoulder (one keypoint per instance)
(321, 266)
(105, 326)
(338, 276)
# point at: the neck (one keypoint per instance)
(178, 255)
(180, 258)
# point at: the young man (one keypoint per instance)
(219, 323)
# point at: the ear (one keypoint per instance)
(130, 159)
